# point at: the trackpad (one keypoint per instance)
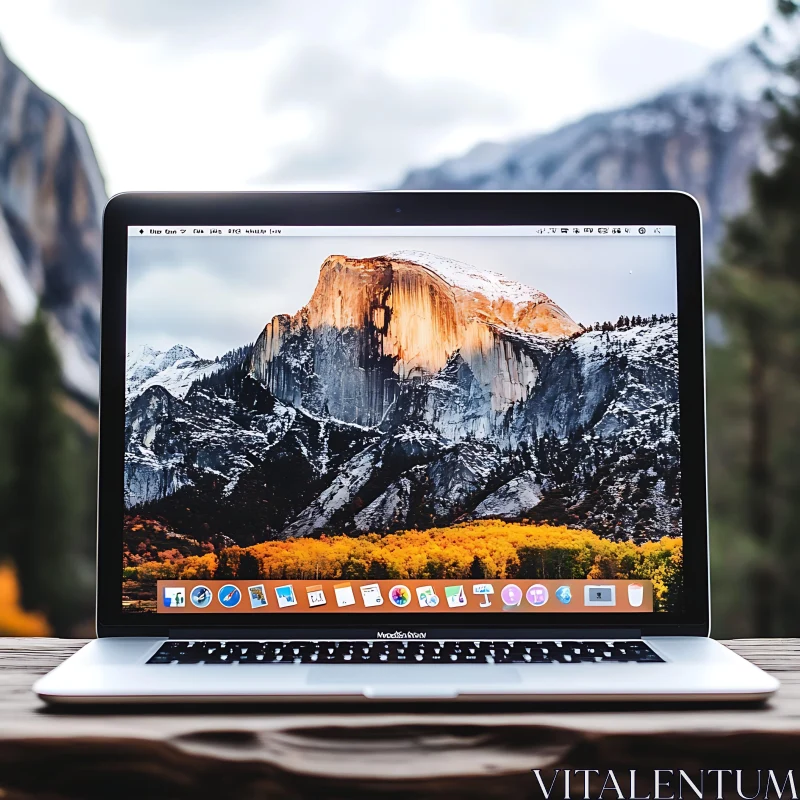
(407, 679)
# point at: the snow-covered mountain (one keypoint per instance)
(175, 369)
(51, 199)
(411, 391)
(703, 136)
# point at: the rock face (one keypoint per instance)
(239, 467)
(513, 499)
(703, 136)
(410, 393)
(374, 324)
(51, 200)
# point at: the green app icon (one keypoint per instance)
(455, 596)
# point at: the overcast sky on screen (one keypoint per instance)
(216, 294)
(233, 94)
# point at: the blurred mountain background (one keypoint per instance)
(51, 200)
(703, 136)
(730, 136)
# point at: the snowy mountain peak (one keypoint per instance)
(703, 136)
(176, 352)
(147, 356)
(175, 369)
(492, 285)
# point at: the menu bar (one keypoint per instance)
(447, 596)
(244, 231)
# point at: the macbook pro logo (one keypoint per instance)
(401, 635)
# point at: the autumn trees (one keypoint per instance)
(483, 549)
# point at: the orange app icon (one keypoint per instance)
(316, 595)
(344, 594)
(635, 594)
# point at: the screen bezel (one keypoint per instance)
(404, 208)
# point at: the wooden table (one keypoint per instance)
(411, 751)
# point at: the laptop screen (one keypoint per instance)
(376, 420)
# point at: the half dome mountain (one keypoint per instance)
(374, 323)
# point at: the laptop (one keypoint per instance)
(402, 445)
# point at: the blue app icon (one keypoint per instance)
(285, 595)
(200, 596)
(229, 595)
(563, 594)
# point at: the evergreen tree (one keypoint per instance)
(477, 569)
(228, 564)
(377, 570)
(249, 566)
(754, 393)
(8, 405)
(46, 497)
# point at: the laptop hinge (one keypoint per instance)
(329, 633)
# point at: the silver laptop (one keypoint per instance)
(389, 446)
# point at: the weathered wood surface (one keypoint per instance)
(456, 750)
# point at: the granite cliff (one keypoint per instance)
(374, 324)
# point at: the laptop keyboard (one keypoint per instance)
(402, 652)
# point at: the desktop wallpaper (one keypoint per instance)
(401, 408)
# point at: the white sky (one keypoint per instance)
(231, 94)
(216, 294)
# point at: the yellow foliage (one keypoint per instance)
(486, 548)
(502, 548)
(14, 621)
(198, 567)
